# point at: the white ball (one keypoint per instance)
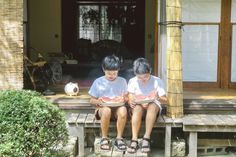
(71, 89)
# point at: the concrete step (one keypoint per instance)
(211, 150)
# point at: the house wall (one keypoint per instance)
(44, 18)
(11, 44)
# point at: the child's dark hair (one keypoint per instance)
(111, 63)
(141, 66)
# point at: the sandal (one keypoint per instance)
(133, 147)
(120, 144)
(145, 145)
(105, 144)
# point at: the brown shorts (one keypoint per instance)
(113, 113)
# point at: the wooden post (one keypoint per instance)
(155, 67)
(174, 59)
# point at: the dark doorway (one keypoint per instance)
(92, 30)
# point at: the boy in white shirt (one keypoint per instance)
(110, 86)
(144, 84)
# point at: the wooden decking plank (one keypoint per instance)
(219, 120)
(200, 119)
(232, 119)
(167, 119)
(72, 117)
(227, 119)
(212, 120)
(90, 119)
(203, 120)
(189, 119)
(97, 121)
(82, 117)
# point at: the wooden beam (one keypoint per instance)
(225, 44)
(155, 68)
(217, 142)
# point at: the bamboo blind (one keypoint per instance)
(174, 59)
(11, 44)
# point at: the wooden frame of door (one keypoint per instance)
(155, 68)
(225, 44)
(231, 84)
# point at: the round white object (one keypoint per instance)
(71, 89)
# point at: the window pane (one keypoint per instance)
(89, 22)
(200, 50)
(233, 11)
(201, 10)
(233, 60)
(100, 22)
(110, 30)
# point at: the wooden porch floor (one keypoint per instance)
(195, 101)
(188, 94)
(210, 94)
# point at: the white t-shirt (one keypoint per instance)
(154, 83)
(102, 87)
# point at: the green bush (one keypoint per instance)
(30, 126)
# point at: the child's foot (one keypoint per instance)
(105, 144)
(133, 147)
(120, 144)
(145, 145)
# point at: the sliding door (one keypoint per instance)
(200, 40)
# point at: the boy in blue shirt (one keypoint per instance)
(110, 86)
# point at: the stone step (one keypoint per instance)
(114, 152)
(69, 150)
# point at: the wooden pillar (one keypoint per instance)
(155, 69)
(225, 43)
(174, 59)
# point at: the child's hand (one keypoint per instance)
(99, 102)
(145, 105)
(131, 104)
(153, 95)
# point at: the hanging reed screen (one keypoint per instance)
(11, 44)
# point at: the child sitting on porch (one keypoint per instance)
(144, 85)
(107, 87)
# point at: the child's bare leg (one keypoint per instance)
(121, 113)
(136, 121)
(151, 116)
(105, 114)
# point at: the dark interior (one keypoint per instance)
(92, 30)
